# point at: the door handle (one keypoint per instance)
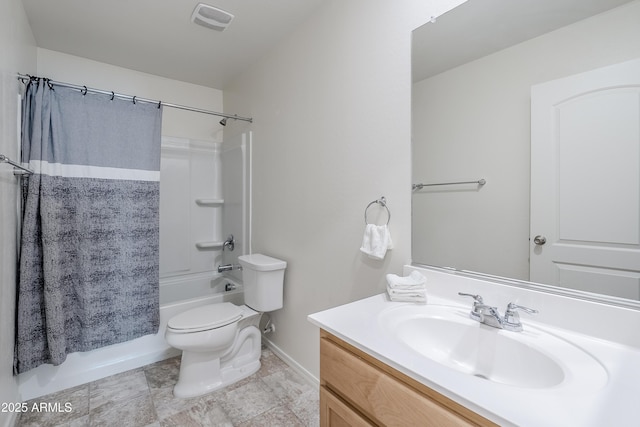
(539, 240)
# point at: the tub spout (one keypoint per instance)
(229, 267)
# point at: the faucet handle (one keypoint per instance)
(511, 307)
(230, 243)
(475, 310)
(512, 318)
(477, 298)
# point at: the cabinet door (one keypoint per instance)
(381, 397)
(334, 413)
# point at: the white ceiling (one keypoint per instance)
(158, 37)
(480, 27)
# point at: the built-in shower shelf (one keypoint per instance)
(207, 246)
(209, 202)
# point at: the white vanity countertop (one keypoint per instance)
(614, 403)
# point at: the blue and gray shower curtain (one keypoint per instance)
(89, 263)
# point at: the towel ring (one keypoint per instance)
(382, 201)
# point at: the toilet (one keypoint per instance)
(220, 342)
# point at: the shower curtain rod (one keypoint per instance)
(84, 89)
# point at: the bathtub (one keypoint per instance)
(176, 296)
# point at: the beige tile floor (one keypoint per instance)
(275, 396)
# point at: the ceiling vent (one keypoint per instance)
(211, 17)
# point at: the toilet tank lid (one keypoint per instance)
(208, 316)
(261, 262)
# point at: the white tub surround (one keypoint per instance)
(605, 333)
(191, 234)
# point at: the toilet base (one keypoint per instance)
(202, 372)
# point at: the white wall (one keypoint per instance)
(332, 129)
(474, 122)
(17, 54)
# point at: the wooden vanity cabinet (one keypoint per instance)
(357, 390)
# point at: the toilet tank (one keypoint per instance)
(263, 279)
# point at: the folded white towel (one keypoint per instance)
(415, 280)
(411, 288)
(376, 241)
(418, 295)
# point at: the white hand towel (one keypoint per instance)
(376, 241)
(409, 295)
(415, 280)
(411, 288)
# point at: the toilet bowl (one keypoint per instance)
(221, 342)
(220, 345)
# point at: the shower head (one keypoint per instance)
(223, 122)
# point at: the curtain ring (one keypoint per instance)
(134, 100)
(159, 104)
(32, 80)
(84, 91)
(113, 95)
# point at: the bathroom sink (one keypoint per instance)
(532, 359)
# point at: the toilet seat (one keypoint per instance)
(207, 317)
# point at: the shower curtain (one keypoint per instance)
(89, 264)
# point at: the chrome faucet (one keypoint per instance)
(229, 267)
(490, 316)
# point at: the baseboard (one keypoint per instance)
(298, 368)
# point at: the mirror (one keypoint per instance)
(473, 69)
